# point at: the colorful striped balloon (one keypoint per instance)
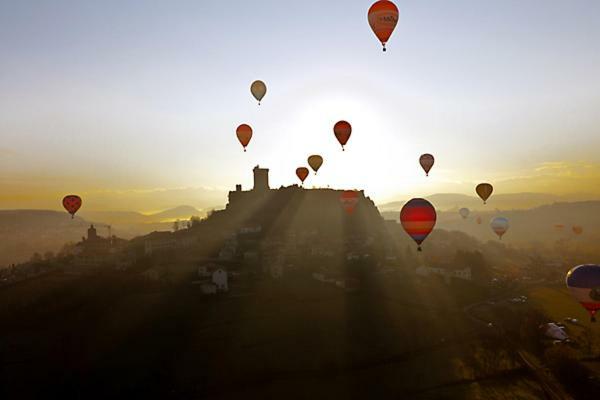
(418, 219)
(584, 283)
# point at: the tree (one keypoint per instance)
(36, 257)
(48, 256)
(194, 221)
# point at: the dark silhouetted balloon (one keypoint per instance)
(584, 283)
(244, 134)
(418, 218)
(426, 161)
(484, 190)
(72, 203)
(383, 17)
(342, 131)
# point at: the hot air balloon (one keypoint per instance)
(258, 90)
(418, 219)
(484, 190)
(426, 161)
(464, 212)
(479, 220)
(315, 162)
(349, 200)
(244, 134)
(584, 283)
(342, 131)
(71, 203)
(302, 173)
(500, 226)
(383, 17)
(578, 230)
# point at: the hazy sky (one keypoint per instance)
(134, 104)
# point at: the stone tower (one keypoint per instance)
(261, 179)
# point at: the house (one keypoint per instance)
(220, 279)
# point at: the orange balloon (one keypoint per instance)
(244, 134)
(342, 131)
(577, 230)
(383, 17)
(302, 173)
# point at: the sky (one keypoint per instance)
(134, 104)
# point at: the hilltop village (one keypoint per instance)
(262, 232)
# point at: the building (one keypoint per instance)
(220, 279)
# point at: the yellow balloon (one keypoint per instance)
(315, 162)
(258, 90)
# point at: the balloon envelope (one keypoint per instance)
(72, 203)
(464, 212)
(578, 230)
(484, 191)
(583, 282)
(499, 225)
(383, 17)
(349, 200)
(244, 134)
(342, 131)
(258, 90)
(315, 161)
(418, 218)
(426, 161)
(302, 173)
(479, 220)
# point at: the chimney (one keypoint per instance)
(238, 188)
(261, 179)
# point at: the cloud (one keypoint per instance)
(557, 177)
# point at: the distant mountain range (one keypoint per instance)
(133, 217)
(512, 201)
(23, 232)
